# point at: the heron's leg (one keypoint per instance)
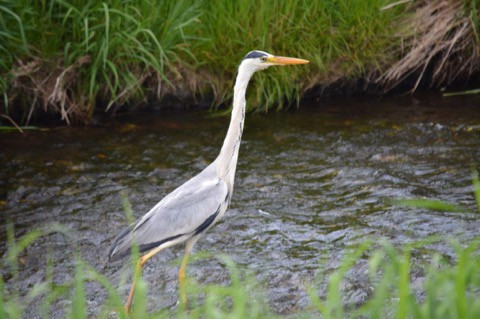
(181, 273)
(138, 270)
(181, 278)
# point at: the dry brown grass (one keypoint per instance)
(438, 43)
(52, 87)
(50, 84)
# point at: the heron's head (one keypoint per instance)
(259, 60)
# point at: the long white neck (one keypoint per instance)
(227, 160)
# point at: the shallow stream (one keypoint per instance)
(310, 184)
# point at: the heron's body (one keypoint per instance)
(171, 221)
(187, 212)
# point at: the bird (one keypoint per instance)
(186, 213)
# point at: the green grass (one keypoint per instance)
(340, 38)
(92, 51)
(468, 92)
(72, 57)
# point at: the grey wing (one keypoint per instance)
(185, 212)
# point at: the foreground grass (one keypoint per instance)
(450, 288)
(72, 57)
(412, 281)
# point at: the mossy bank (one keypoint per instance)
(69, 59)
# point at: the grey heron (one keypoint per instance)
(187, 212)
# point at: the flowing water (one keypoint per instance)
(310, 184)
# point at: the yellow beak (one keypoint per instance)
(282, 60)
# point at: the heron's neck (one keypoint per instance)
(227, 160)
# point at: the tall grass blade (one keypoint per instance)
(79, 306)
(431, 204)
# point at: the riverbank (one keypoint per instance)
(68, 60)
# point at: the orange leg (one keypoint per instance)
(181, 273)
(138, 271)
(181, 279)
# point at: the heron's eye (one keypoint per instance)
(263, 59)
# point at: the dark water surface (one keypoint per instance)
(310, 183)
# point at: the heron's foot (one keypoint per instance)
(128, 304)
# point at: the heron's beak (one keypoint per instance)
(282, 60)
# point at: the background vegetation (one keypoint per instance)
(69, 58)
